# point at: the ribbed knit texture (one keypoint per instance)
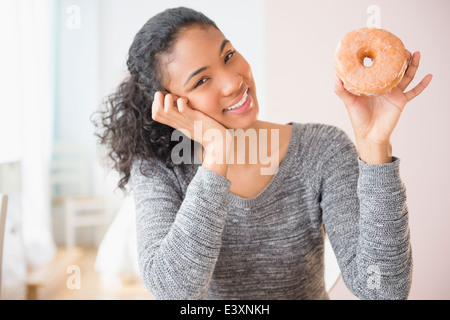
(197, 240)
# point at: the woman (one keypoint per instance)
(217, 228)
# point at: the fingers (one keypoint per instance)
(419, 88)
(409, 76)
(168, 103)
(163, 107)
(157, 105)
(182, 105)
(341, 92)
(410, 56)
(410, 71)
(167, 107)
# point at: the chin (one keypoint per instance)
(244, 121)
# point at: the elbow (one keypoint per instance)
(396, 284)
(388, 287)
(164, 286)
(397, 290)
(376, 284)
(392, 291)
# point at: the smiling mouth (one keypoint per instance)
(240, 103)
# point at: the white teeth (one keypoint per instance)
(240, 103)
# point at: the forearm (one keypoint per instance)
(367, 225)
(384, 241)
(178, 245)
(365, 214)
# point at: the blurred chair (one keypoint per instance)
(70, 191)
(3, 205)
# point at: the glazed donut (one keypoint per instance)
(386, 51)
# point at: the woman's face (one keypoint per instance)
(205, 68)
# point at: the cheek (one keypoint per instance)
(205, 102)
(244, 68)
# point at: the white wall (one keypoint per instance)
(78, 78)
(301, 40)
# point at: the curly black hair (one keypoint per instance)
(125, 125)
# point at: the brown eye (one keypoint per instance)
(228, 56)
(202, 81)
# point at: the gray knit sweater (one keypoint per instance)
(197, 240)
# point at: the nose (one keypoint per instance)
(231, 84)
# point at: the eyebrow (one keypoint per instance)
(193, 74)
(222, 46)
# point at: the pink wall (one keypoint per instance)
(301, 39)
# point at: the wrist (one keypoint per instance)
(374, 152)
(221, 169)
(215, 161)
(215, 154)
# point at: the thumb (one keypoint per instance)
(340, 90)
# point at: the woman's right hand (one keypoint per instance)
(175, 112)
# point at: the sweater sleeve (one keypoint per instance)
(365, 215)
(178, 239)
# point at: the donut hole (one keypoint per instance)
(368, 61)
(366, 57)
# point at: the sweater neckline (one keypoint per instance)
(284, 168)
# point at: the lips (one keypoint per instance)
(239, 101)
(241, 106)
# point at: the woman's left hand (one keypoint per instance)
(374, 118)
